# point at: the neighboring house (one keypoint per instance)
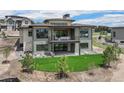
(2, 24)
(56, 35)
(12, 23)
(117, 35)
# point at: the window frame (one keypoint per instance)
(30, 33)
(83, 35)
(114, 34)
(26, 22)
(41, 36)
(84, 47)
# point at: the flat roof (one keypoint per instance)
(58, 19)
(117, 27)
(54, 26)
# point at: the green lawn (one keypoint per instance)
(76, 63)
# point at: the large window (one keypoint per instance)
(61, 33)
(60, 47)
(84, 45)
(84, 34)
(41, 33)
(42, 47)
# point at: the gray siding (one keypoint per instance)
(119, 34)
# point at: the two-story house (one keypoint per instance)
(58, 35)
(12, 22)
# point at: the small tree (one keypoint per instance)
(3, 35)
(6, 52)
(111, 53)
(108, 56)
(117, 51)
(28, 63)
(62, 68)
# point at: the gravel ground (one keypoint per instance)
(118, 74)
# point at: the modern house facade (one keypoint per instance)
(57, 35)
(117, 35)
(12, 23)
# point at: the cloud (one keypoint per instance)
(54, 13)
(3, 13)
(108, 19)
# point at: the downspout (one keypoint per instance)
(32, 40)
(79, 43)
(91, 39)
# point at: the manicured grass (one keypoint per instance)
(76, 63)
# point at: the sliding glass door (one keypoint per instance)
(60, 47)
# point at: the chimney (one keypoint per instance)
(66, 16)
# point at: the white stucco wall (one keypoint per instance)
(27, 41)
(87, 40)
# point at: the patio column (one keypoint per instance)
(24, 46)
(49, 38)
(69, 47)
(76, 48)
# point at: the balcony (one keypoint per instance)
(63, 39)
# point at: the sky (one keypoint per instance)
(91, 17)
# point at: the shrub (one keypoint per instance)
(27, 63)
(111, 53)
(62, 68)
(108, 56)
(6, 52)
(4, 35)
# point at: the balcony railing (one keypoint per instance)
(63, 38)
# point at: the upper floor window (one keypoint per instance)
(26, 22)
(114, 34)
(11, 22)
(84, 34)
(41, 33)
(29, 33)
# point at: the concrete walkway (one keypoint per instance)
(118, 74)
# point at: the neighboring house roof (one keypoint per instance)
(76, 24)
(117, 27)
(58, 19)
(2, 21)
(14, 16)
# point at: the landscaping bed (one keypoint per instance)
(75, 63)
